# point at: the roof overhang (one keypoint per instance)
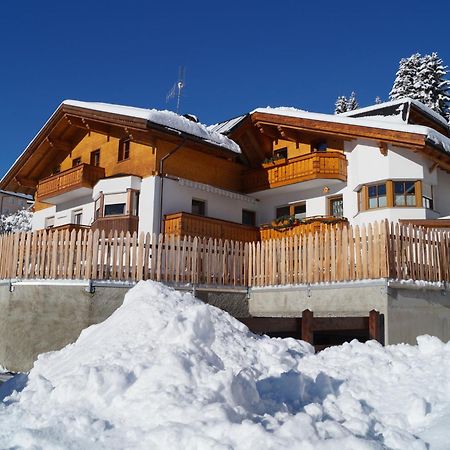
(69, 124)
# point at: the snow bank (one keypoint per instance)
(166, 371)
(165, 118)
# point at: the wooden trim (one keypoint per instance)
(389, 194)
(418, 192)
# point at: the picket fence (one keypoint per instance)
(380, 250)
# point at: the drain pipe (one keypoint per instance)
(161, 174)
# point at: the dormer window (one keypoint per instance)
(320, 146)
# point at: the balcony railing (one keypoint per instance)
(117, 223)
(185, 224)
(77, 177)
(318, 165)
(308, 225)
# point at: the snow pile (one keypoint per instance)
(165, 118)
(166, 371)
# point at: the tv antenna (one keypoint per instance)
(178, 86)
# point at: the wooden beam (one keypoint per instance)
(433, 166)
(383, 148)
(289, 134)
(268, 131)
(26, 182)
(59, 144)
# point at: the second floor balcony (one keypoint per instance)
(70, 184)
(312, 166)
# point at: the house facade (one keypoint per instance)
(257, 176)
(11, 202)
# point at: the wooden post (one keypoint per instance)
(308, 326)
(374, 325)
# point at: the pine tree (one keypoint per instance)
(341, 104)
(422, 78)
(352, 103)
(406, 77)
(434, 88)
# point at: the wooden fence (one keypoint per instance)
(380, 250)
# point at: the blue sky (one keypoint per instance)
(238, 55)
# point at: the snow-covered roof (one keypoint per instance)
(385, 123)
(225, 126)
(164, 118)
(401, 101)
(17, 194)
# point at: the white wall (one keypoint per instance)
(149, 205)
(442, 193)
(220, 204)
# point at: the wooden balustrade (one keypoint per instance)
(309, 225)
(185, 224)
(84, 175)
(318, 165)
(116, 223)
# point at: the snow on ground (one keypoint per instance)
(166, 371)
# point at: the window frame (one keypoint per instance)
(363, 195)
(333, 199)
(291, 209)
(123, 153)
(95, 158)
(199, 201)
(76, 162)
(251, 214)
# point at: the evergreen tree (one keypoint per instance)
(341, 104)
(352, 103)
(422, 78)
(434, 88)
(406, 77)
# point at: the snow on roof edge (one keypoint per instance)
(164, 118)
(399, 101)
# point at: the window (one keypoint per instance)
(248, 217)
(50, 222)
(280, 153)
(298, 210)
(76, 162)
(404, 193)
(124, 150)
(282, 211)
(377, 196)
(114, 209)
(198, 207)
(77, 217)
(336, 206)
(427, 196)
(320, 146)
(95, 157)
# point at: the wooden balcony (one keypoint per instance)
(308, 225)
(318, 165)
(185, 224)
(123, 222)
(79, 177)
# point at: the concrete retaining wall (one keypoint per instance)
(37, 318)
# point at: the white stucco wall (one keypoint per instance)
(149, 205)
(220, 204)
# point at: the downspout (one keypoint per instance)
(161, 174)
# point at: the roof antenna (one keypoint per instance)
(177, 88)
